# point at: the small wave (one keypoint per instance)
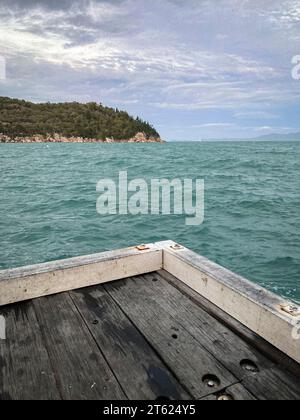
(259, 204)
(282, 262)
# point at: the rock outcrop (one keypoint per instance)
(57, 138)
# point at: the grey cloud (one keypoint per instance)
(77, 24)
(32, 4)
(52, 4)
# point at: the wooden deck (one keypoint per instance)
(144, 337)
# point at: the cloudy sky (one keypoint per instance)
(194, 68)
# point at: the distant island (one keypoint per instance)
(267, 137)
(280, 137)
(27, 122)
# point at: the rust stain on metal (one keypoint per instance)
(205, 280)
(142, 248)
(291, 309)
(177, 247)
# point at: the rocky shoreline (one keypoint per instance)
(57, 138)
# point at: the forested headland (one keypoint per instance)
(23, 121)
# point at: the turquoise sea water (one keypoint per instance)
(252, 206)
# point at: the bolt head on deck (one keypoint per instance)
(225, 397)
(249, 366)
(211, 381)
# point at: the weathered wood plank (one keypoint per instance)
(273, 385)
(80, 369)
(25, 369)
(228, 348)
(235, 393)
(255, 307)
(60, 276)
(189, 361)
(138, 369)
(262, 346)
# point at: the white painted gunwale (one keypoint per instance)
(31, 282)
(244, 287)
(74, 262)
